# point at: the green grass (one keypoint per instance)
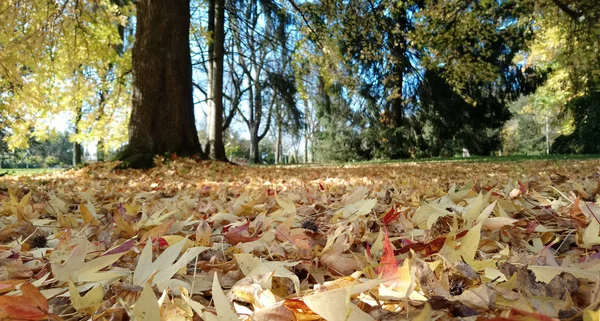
(472, 159)
(27, 171)
(480, 159)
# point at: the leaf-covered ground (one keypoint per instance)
(190, 241)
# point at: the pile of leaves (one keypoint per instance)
(200, 240)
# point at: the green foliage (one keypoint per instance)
(428, 78)
(378, 78)
(337, 143)
(61, 57)
(585, 137)
(523, 134)
(55, 150)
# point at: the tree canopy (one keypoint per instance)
(350, 79)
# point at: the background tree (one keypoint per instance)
(567, 43)
(67, 46)
(255, 47)
(216, 26)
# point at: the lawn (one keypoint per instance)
(394, 241)
(28, 171)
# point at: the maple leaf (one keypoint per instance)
(388, 268)
(234, 236)
(76, 269)
(164, 267)
(390, 216)
(478, 226)
(31, 305)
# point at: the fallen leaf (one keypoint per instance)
(147, 308)
(31, 305)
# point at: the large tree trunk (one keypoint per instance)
(215, 147)
(162, 117)
(397, 103)
(77, 152)
(399, 67)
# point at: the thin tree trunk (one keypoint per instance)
(305, 149)
(210, 75)
(306, 130)
(162, 117)
(215, 147)
(77, 146)
(279, 139)
(254, 151)
(547, 135)
(100, 151)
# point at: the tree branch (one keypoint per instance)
(565, 8)
(243, 117)
(261, 136)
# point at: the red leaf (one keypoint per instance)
(234, 236)
(124, 247)
(32, 305)
(387, 265)
(523, 187)
(493, 193)
(531, 226)
(516, 314)
(162, 243)
(9, 285)
(321, 187)
(390, 216)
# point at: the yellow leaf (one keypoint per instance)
(470, 242)
(425, 314)
(547, 273)
(590, 235)
(146, 308)
(77, 270)
(288, 206)
(224, 311)
(486, 213)
(335, 305)
(88, 218)
(90, 302)
(173, 239)
(126, 229)
(165, 266)
(589, 315)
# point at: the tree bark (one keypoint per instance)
(162, 117)
(398, 68)
(209, 74)
(279, 138)
(215, 147)
(76, 154)
(307, 129)
(76, 145)
(100, 156)
(254, 151)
